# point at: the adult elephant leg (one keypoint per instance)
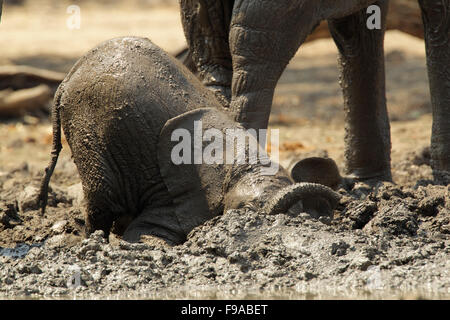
(206, 25)
(264, 36)
(436, 18)
(368, 143)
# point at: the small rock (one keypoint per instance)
(309, 275)
(55, 241)
(98, 236)
(445, 229)
(11, 184)
(98, 275)
(28, 199)
(428, 206)
(304, 215)
(163, 258)
(89, 246)
(58, 195)
(388, 190)
(29, 269)
(34, 253)
(361, 190)
(280, 220)
(8, 215)
(359, 213)
(340, 248)
(75, 192)
(370, 253)
(58, 227)
(234, 257)
(62, 240)
(361, 263)
(394, 220)
(325, 220)
(21, 167)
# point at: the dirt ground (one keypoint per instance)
(391, 241)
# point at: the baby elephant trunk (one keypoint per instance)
(277, 194)
(316, 199)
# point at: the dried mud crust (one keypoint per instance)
(387, 241)
(21, 222)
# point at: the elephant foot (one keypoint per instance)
(315, 199)
(316, 170)
(440, 157)
(325, 171)
(371, 180)
(441, 177)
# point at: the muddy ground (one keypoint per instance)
(391, 241)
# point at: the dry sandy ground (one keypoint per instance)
(351, 254)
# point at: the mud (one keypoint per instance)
(391, 241)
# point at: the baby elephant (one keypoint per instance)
(120, 108)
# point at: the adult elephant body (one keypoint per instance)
(241, 47)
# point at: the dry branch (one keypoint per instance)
(16, 103)
(24, 77)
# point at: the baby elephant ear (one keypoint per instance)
(194, 183)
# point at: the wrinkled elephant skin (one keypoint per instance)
(241, 47)
(118, 107)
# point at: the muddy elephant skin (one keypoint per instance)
(241, 47)
(118, 107)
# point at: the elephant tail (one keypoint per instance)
(56, 149)
(313, 198)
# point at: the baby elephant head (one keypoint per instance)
(278, 194)
(204, 189)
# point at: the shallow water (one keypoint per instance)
(240, 295)
(19, 251)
